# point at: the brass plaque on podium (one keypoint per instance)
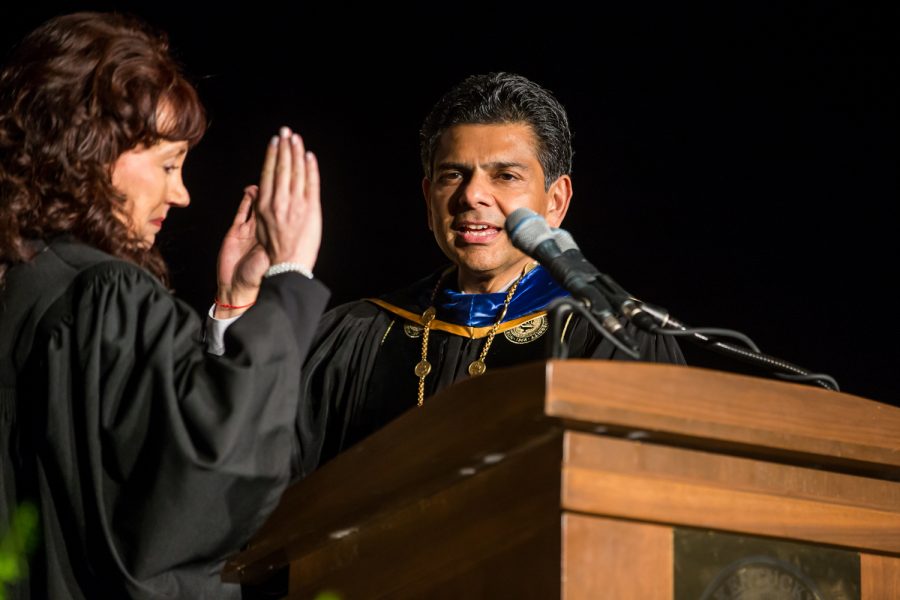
(720, 566)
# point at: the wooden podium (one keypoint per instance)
(596, 479)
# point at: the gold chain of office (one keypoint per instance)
(477, 366)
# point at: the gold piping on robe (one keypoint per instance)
(460, 330)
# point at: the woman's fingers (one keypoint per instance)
(267, 177)
(312, 225)
(281, 193)
(288, 211)
(245, 208)
(312, 192)
(312, 177)
(298, 166)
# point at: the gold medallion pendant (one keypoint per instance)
(423, 368)
(477, 367)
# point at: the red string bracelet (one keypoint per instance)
(231, 306)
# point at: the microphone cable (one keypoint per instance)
(664, 324)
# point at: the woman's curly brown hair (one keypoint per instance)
(78, 92)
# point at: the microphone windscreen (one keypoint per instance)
(564, 240)
(516, 218)
(526, 229)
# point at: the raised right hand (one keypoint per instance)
(288, 210)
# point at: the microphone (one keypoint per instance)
(530, 233)
(645, 316)
(570, 249)
(622, 301)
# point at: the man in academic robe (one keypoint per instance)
(491, 145)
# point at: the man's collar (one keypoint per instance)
(536, 290)
(473, 314)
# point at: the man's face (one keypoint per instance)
(481, 174)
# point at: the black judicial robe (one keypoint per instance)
(149, 460)
(359, 375)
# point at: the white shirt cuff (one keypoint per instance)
(215, 332)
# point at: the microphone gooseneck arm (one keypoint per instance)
(562, 307)
(530, 233)
(604, 301)
(657, 320)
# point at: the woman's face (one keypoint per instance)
(150, 180)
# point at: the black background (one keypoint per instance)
(736, 165)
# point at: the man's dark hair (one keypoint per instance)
(503, 98)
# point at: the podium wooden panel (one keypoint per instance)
(567, 479)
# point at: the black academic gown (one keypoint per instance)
(149, 460)
(359, 375)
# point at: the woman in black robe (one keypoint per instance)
(148, 459)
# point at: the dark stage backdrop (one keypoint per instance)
(737, 165)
